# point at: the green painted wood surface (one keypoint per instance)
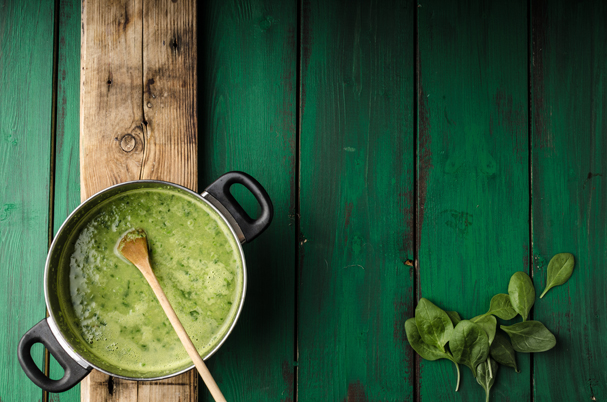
(66, 194)
(26, 57)
(570, 194)
(355, 292)
(67, 167)
(247, 76)
(473, 188)
(356, 184)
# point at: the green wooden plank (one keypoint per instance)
(247, 60)
(26, 68)
(570, 194)
(355, 292)
(67, 136)
(473, 177)
(67, 163)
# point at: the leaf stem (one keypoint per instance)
(458, 376)
(490, 370)
(544, 292)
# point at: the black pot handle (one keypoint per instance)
(220, 190)
(41, 333)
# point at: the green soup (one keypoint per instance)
(110, 307)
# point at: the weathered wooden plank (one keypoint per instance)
(100, 387)
(247, 72)
(169, 97)
(26, 81)
(111, 124)
(138, 121)
(111, 104)
(67, 132)
(473, 189)
(570, 194)
(355, 291)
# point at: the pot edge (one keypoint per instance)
(55, 328)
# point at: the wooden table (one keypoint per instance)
(467, 137)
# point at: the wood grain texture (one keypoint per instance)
(473, 189)
(67, 133)
(247, 72)
(355, 291)
(570, 194)
(111, 103)
(101, 387)
(356, 177)
(26, 81)
(169, 97)
(138, 121)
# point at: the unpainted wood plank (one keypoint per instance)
(184, 389)
(112, 123)
(26, 81)
(473, 189)
(569, 149)
(357, 180)
(100, 387)
(169, 97)
(123, 139)
(66, 192)
(247, 73)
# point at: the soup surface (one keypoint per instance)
(111, 308)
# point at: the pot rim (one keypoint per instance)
(53, 323)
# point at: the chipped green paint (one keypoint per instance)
(570, 195)
(247, 102)
(356, 106)
(67, 135)
(26, 69)
(355, 292)
(473, 199)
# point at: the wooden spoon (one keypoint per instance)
(134, 247)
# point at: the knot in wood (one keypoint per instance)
(174, 44)
(128, 142)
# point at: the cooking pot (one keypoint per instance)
(54, 333)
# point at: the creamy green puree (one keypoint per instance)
(112, 309)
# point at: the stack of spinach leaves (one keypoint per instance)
(437, 334)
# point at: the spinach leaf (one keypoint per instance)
(434, 325)
(426, 351)
(530, 337)
(502, 352)
(485, 375)
(455, 318)
(501, 306)
(488, 323)
(560, 269)
(469, 344)
(522, 293)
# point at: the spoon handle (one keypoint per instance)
(185, 339)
